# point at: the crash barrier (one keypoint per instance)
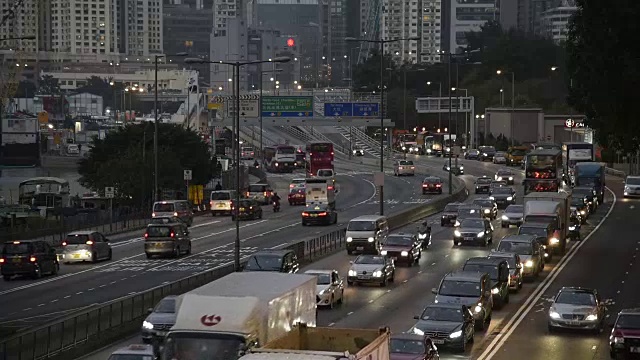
(616, 173)
(85, 331)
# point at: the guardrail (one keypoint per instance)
(616, 173)
(81, 333)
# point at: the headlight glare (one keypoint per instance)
(418, 331)
(505, 217)
(481, 234)
(553, 314)
(528, 263)
(478, 308)
(370, 239)
(592, 317)
(491, 198)
(383, 252)
(422, 236)
(404, 253)
(455, 334)
(457, 223)
(486, 211)
(572, 228)
(352, 272)
(554, 240)
(495, 291)
(509, 198)
(147, 325)
(349, 239)
(377, 273)
(457, 233)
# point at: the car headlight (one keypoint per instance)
(618, 340)
(455, 334)
(457, 223)
(572, 228)
(484, 154)
(377, 273)
(383, 252)
(481, 234)
(478, 308)
(554, 240)
(528, 263)
(510, 178)
(370, 239)
(417, 331)
(147, 325)
(495, 291)
(422, 236)
(553, 314)
(457, 233)
(592, 317)
(499, 178)
(404, 253)
(509, 198)
(582, 212)
(429, 151)
(491, 198)
(505, 217)
(486, 211)
(461, 167)
(352, 272)
(349, 239)
(321, 292)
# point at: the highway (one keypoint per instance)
(26, 301)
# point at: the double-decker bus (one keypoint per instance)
(543, 171)
(279, 158)
(320, 156)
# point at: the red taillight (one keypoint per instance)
(265, 193)
(425, 185)
(438, 185)
(329, 187)
(32, 259)
(247, 194)
(332, 153)
(305, 214)
(322, 214)
(146, 235)
(64, 243)
(291, 186)
(89, 242)
(172, 234)
(413, 168)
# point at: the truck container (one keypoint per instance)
(227, 316)
(320, 191)
(550, 207)
(591, 174)
(306, 343)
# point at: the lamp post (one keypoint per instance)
(236, 66)
(513, 101)
(381, 43)
(459, 107)
(439, 95)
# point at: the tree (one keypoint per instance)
(604, 65)
(48, 85)
(101, 87)
(124, 160)
(26, 89)
(367, 75)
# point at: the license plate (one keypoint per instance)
(17, 260)
(362, 277)
(241, 209)
(634, 349)
(220, 205)
(314, 215)
(438, 341)
(468, 238)
(158, 244)
(76, 256)
(360, 248)
(573, 322)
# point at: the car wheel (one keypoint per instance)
(176, 252)
(260, 216)
(6, 277)
(189, 249)
(148, 255)
(335, 221)
(393, 277)
(94, 257)
(479, 325)
(56, 268)
(349, 252)
(331, 302)
(110, 256)
(384, 282)
(551, 329)
(36, 274)
(463, 346)
(506, 299)
(504, 226)
(520, 284)
(233, 218)
(442, 223)
(350, 283)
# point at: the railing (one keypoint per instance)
(295, 133)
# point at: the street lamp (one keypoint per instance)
(236, 66)
(439, 95)
(381, 43)
(513, 100)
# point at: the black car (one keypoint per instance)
(503, 196)
(581, 206)
(32, 258)
(319, 215)
(284, 261)
(246, 209)
(456, 169)
(486, 153)
(447, 325)
(498, 270)
(402, 248)
(431, 184)
(483, 185)
(475, 231)
(575, 224)
(450, 214)
(588, 193)
(544, 233)
(506, 175)
(472, 154)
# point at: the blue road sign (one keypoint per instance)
(338, 109)
(366, 109)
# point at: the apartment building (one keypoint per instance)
(554, 23)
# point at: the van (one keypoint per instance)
(221, 201)
(167, 239)
(260, 192)
(365, 234)
(178, 208)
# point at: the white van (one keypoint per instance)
(365, 234)
(220, 201)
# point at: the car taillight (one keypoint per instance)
(211, 203)
(305, 214)
(89, 242)
(64, 243)
(438, 185)
(33, 259)
(329, 187)
(172, 234)
(413, 168)
(291, 186)
(153, 214)
(332, 153)
(146, 235)
(322, 214)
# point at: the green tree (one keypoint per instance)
(26, 89)
(48, 85)
(366, 76)
(124, 159)
(604, 65)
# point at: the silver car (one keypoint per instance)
(86, 245)
(500, 158)
(475, 231)
(134, 352)
(160, 320)
(371, 269)
(404, 167)
(577, 308)
(329, 287)
(512, 215)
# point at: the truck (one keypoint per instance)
(574, 153)
(320, 191)
(550, 207)
(227, 316)
(307, 343)
(591, 174)
(516, 154)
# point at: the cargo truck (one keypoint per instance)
(591, 174)
(320, 191)
(306, 343)
(554, 208)
(225, 317)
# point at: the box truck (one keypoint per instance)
(320, 191)
(550, 207)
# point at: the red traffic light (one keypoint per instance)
(291, 42)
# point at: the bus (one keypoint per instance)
(543, 171)
(576, 152)
(319, 156)
(435, 143)
(279, 158)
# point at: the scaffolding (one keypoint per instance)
(17, 20)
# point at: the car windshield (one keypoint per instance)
(405, 162)
(483, 268)
(502, 191)
(159, 231)
(514, 209)
(582, 192)
(518, 152)
(459, 288)
(435, 313)
(488, 149)
(484, 181)
(369, 259)
(451, 208)
(628, 321)
(222, 195)
(166, 306)
(130, 357)
(399, 241)
(431, 180)
(526, 230)
(264, 263)
(76, 239)
(483, 203)
(504, 173)
(576, 298)
(163, 207)
(406, 346)
(468, 212)
(16, 249)
(164, 220)
(257, 188)
(361, 226)
(517, 247)
(577, 201)
(472, 223)
(322, 279)
(633, 181)
(325, 173)
(511, 260)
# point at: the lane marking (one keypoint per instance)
(538, 292)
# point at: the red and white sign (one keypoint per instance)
(210, 320)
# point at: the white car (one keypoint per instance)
(404, 167)
(374, 269)
(500, 158)
(329, 288)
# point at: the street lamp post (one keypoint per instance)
(236, 66)
(381, 43)
(459, 107)
(513, 102)
(439, 95)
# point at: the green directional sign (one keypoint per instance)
(287, 106)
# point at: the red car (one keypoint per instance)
(412, 347)
(297, 196)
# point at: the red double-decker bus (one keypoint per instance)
(320, 155)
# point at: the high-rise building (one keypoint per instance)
(334, 32)
(554, 22)
(139, 26)
(400, 20)
(430, 31)
(530, 11)
(469, 16)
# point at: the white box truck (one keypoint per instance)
(304, 343)
(225, 317)
(550, 207)
(320, 191)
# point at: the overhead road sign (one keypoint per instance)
(338, 109)
(248, 108)
(287, 106)
(225, 98)
(310, 121)
(366, 109)
(351, 109)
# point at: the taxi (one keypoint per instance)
(320, 214)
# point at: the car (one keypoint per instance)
(587, 192)
(32, 258)
(472, 154)
(73, 149)
(284, 261)
(488, 206)
(297, 196)
(515, 268)
(447, 325)
(512, 215)
(576, 308)
(486, 153)
(321, 214)
(177, 208)
(375, 269)
(483, 185)
(167, 239)
(134, 352)
(455, 169)
(581, 206)
(573, 213)
(86, 245)
(530, 251)
(404, 167)
(466, 211)
(623, 340)
(220, 202)
(503, 196)
(402, 248)
(160, 319)
(498, 270)
(412, 347)
(358, 151)
(500, 158)
(505, 175)
(431, 184)
(497, 183)
(469, 288)
(475, 231)
(450, 214)
(166, 220)
(260, 192)
(329, 287)
(247, 209)
(574, 227)
(247, 153)
(544, 233)
(631, 186)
